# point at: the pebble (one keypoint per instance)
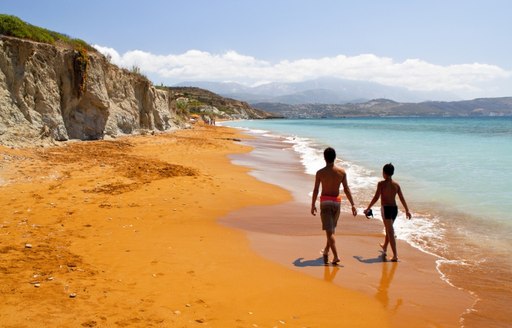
(177, 312)
(72, 295)
(28, 245)
(37, 285)
(188, 305)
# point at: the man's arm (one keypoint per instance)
(315, 194)
(402, 199)
(347, 192)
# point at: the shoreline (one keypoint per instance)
(125, 233)
(289, 227)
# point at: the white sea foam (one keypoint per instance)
(257, 131)
(272, 136)
(361, 179)
(421, 232)
(310, 156)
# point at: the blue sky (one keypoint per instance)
(457, 46)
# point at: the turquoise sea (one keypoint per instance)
(455, 174)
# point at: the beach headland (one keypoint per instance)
(124, 233)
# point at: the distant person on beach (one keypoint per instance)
(330, 177)
(387, 190)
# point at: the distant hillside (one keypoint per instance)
(385, 107)
(201, 101)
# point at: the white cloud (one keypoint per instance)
(413, 74)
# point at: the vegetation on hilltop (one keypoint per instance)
(193, 100)
(15, 27)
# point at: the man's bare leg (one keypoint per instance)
(331, 243)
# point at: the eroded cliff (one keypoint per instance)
(52, 92)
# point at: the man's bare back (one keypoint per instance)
(331, 177)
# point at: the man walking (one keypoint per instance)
(330, 178)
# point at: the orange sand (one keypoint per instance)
(124, 233)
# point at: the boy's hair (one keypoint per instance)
(329, 155)
(389, 169)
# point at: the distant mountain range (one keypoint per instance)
(318, 91)
(330, 97)
(386, 107)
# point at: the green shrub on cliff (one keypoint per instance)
(15, 27)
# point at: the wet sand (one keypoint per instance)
(124, 233)
(412, 291)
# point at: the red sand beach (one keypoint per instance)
(126, 233)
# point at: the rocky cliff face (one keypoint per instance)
(52, 93)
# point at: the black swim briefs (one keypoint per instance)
(389, 212)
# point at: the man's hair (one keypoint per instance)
(389, 169)
(329, 155)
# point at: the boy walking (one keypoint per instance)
(330, 177)
(387, 190)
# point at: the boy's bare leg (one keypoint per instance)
(390, 237)
(384, 246)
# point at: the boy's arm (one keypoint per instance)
(315, 194)
(374, 199)
(347, 192)
(404, 203)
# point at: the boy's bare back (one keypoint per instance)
(388, 191)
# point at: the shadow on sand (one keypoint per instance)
(379, 259)
(300, 262)
(330, 270)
